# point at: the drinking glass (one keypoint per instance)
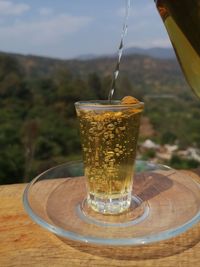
(109, 134)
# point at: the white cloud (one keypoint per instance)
(45, 11)
(151, 42)
(41, 32)
(161, 42)
(10, 8)
(138, 12)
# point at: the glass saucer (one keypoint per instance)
(165, 203)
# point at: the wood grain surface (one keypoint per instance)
(24, 243)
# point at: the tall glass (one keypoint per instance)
(109, 134)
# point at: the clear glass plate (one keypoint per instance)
(165, 203)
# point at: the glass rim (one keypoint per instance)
(104, 104)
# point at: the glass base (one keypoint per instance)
(137, 211)
(109, 205)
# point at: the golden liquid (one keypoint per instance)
(182, 21)
(109, 140)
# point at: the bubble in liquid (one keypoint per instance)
(91, 130)
(106, 135)
(99, 127)
(122, 128)
(111, 126)
(110, 153)
(106, 159)
(112, 136)
(108, 143)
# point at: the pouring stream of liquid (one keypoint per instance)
(120, 51)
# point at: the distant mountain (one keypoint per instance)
(87, 57)
(156, 52)
(136, 65)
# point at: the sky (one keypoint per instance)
(67, 29)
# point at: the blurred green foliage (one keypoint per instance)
(179, 163)
(38, 128)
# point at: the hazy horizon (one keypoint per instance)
(114, 53)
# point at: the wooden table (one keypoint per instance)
(24, 243)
